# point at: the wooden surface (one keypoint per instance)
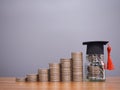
(112, 83)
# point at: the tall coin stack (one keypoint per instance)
(66, 70)
(54, 72)
(32, 77)
(77, 66)
(43, 75)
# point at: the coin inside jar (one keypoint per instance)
(94, 70)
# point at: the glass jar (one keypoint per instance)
(95, 67)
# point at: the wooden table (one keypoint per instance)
(112, 83)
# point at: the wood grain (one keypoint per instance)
(112, 83)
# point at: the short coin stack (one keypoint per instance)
(77, 66)
(32, 77)
(54, 72)
(43, 75)
(20, 79)
(66, 70)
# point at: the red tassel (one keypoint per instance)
(110, 65)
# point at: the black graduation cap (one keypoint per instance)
(95, 47)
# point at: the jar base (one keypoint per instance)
(95, 80)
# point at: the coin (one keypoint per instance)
(54, 65)
(77, 65)
(54, 72)
(41, 71)
(20, 79)
(77, 55)
(43, 75)
(32, 77)
(66, 70)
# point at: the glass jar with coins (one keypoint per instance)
(94, 65)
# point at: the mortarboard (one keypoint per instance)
(95, 47)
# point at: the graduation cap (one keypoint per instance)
(97, 47)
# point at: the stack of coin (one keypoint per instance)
(43, 75)
(77, 66)
(32, 77)
(20, 79)
(66, 70)
(54, 72)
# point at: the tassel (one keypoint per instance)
(110, 65)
